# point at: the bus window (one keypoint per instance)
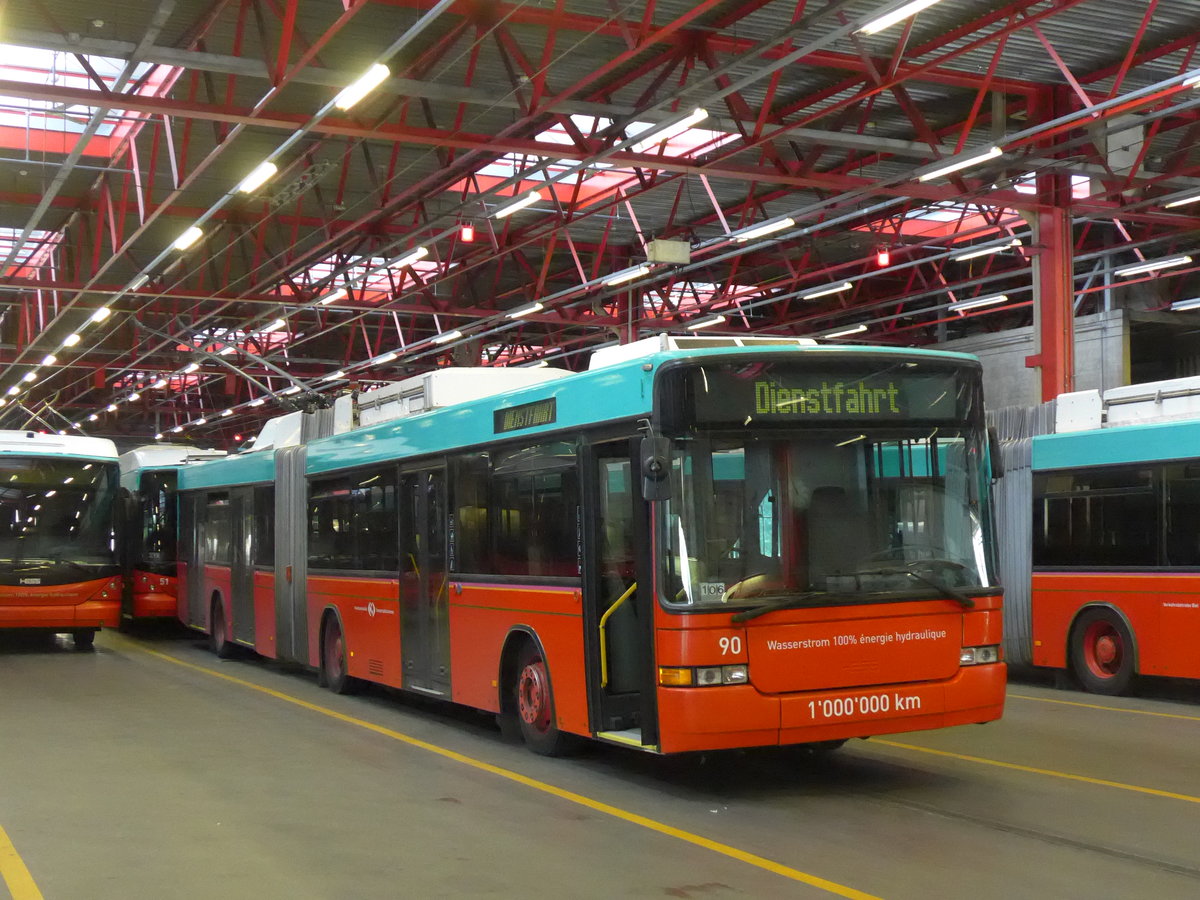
(264, 526)
(469, 543)
(217, 526)
(536, 496)
(352, 522)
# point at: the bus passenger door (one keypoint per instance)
(617, 614)
(424, 595)
(241, 565)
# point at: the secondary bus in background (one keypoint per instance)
(58, 565)
(699, 543)
(149, 478)
(1112, 501)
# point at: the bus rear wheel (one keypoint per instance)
(1102, 652)
(85, 638)
(216, 638)
(534, 702)
(335, 673)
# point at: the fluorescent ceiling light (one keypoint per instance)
(93, 418)
(138, 282)
(258, 177)
(525, 311)
(669, 130)
(339, 294)
(857, 329)
(986, 251)
(627, 275)
(749, 234)
(29, 376)
(177, 429)
(527, 200)
(201, 421)
(274, 326)
(161, 383)
(226, 350)
(1182, 201)
(13, 391)
(188, 238)
(134, 397)
(826, 291)
(228, 412)
(887, 20)
(447, 336)
(385, 358)
(49, 359)
(1192, 81)
(365, 83)
(101, 313)
(706, 323)
(190, 368)
(1169, 262)
(257, 402)
(294, 389)
(1180, 305)
(71, 340)
(334, 376)
(158, 437)
(961, 163)
(419, 253)
(112, 407)
(961, 306)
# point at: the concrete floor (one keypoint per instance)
(126, 775)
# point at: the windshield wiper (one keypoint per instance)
(940, 586)
(791, 602)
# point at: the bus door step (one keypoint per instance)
(630, 737)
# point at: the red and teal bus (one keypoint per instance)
(58, 565)
(695, 544)
(1115, 545)
(149, 478)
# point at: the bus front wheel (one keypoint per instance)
(335, 673)
(1102, 652)
(534, 702)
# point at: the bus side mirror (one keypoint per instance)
(656, 468)
(994, 452)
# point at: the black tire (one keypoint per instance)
(1103, 651)
(85, 638)
(533, 699)
(334, 673)
(216, 637)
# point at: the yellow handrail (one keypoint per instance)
(603, 621)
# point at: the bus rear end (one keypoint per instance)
(58, 568)
(826, 551)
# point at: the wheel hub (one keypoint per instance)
(531, 696)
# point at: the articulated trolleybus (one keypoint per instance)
(149, 480)
(58, 565)
(699, 543)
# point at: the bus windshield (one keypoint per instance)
(55, 511)
(758, 517)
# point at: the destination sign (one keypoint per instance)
(527, 415)
(785, 394)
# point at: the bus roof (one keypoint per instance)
(162, 456)
(616, 392)
(32, 443)
(1155, 442)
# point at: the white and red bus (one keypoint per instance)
(696, 544)
(58, 508)
(149, 478)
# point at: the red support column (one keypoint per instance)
(1053, 267)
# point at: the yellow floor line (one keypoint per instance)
(1017, 767)
(1117, 709)
(16, 876)
(570, 796)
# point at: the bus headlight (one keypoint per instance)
(703, 676)
(978, 656)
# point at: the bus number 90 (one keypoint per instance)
(730, 646)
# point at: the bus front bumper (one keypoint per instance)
(740, 716)
(88, 614)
